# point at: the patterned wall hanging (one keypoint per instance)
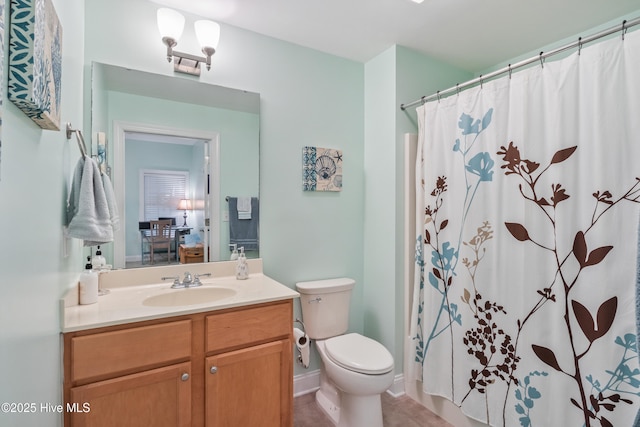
(321, 169)
(35, 61)
(1, 62)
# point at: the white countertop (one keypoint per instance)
(124, 304)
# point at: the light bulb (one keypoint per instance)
(208, 33)
(170, 23)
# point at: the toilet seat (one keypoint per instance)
(359, 353)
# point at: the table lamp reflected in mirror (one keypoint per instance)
(185, 205)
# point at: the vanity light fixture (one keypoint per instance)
(184, 204)
(171, 24)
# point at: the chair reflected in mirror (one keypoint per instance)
(159, 237)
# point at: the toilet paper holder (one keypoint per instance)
(301, 324)
(302, 344)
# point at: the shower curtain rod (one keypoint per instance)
(539, 58)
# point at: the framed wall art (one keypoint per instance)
(2, 3)
(35, 61)
(321, 169)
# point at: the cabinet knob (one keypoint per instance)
(213, 370)
(184, 377)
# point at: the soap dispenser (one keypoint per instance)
(98, 261)
(88, 285)
(242, 268)
(234, 253)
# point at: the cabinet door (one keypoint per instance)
(250, 387)
(158, 397)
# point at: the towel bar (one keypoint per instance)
(81, 144)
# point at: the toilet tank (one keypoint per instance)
(325, 306)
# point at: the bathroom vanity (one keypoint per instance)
(216, 355)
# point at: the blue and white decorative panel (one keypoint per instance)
(1, 61)
(35, 61)
(321, 169)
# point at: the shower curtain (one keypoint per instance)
(528, 191)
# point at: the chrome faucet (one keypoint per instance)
(189, 281)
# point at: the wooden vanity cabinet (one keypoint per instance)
(158, 397)
(222, 368)
(249, 373)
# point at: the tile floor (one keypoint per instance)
(396, 412)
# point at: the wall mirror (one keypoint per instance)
(177, 149)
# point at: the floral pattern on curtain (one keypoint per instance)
(528, 194)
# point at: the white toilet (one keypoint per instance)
(355, 369)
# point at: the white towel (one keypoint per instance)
(244, 207)
(244, 233)
(88, 216)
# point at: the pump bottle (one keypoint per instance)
(234, 254)
(88, 285)
(242, 268)
(98, 262)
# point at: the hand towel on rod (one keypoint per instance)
(88, 215)
(244, 233)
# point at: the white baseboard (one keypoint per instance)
(310, 382)
(306, 383)
(397, 388)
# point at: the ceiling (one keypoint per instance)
(470, 34)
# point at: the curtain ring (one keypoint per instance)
(624, 28)
(438, 95)
(481, 81)
(541, 60)
(423, 100)
(579, 45)
(457, 88)
(510, 71)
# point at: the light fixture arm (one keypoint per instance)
(208, 51)
(170, 42)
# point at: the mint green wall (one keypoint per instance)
(397, 75)
(35, 266)
(379, 207)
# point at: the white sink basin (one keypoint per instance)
(189, 296)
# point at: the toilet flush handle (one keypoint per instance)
(315, 300)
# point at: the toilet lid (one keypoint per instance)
(360, 354)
